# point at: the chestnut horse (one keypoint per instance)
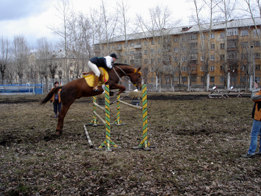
(79, 88)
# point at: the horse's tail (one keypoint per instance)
(50, 94)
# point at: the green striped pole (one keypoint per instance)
(94, 118)
(107, 117)
(108, 142)
(144, 143)
(118, 120)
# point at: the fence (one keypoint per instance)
(16, 89)
(182, 83)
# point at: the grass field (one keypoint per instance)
(198, 147)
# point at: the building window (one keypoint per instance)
(193, 57)
(232, 55)
(257, 67)
(212, 46)
(212, 57)
(244, 33)
(222, 35)
(175, 58)
(152, 61)
(222, 46)
(212, 68)
(176, 50)
(256, 43)
(201, 68)
(221, 79)
(203, 36)
(146, 61)
(202, 58)
(193, 78)
(193, 36)
(231, 44)
(221, 67)
(212, 35)
(183, 68)
(244, 44)
(193, 45)
(184, 79)
(243, 79)
(145, 52)
(256, 32)
(212, 79)
(232, 32)
(176, 39)
(244, 56)
(184, 58)
(152, 42)
(222, 57)
(257, 55)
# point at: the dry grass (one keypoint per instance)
(198, 147)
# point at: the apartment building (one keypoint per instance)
(227, 54)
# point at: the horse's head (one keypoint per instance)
(135, 78)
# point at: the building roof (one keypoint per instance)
(189, 29)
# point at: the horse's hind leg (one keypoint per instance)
(64, 110)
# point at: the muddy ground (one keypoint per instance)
(198, 147)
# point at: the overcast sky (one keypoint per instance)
(33, 18)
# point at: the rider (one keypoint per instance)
(105, 62)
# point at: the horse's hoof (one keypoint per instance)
(59, 132)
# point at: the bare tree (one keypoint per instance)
(157, 28)
(227, 7)
(205, 46)
(251, 10)
(43, 58)
(124, 21)
(21, 53)
(4, 57)
(79, 42)
(64, 14)
(96, 30)
(109, 23)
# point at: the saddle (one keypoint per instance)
(89, 78)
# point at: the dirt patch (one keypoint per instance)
(198, 144)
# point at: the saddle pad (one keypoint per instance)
(90, 78)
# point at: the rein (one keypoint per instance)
(116, 73)
(121, 71)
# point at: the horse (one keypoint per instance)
(79, 88)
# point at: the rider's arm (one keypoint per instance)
(108, 61)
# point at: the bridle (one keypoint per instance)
(122, 72)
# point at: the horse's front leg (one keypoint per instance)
(120, 87)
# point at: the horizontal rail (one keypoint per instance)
(100, 107)
(103, 121)
(88, 137)
(134, 106)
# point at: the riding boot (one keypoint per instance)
(95, 83)
(101, 78)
